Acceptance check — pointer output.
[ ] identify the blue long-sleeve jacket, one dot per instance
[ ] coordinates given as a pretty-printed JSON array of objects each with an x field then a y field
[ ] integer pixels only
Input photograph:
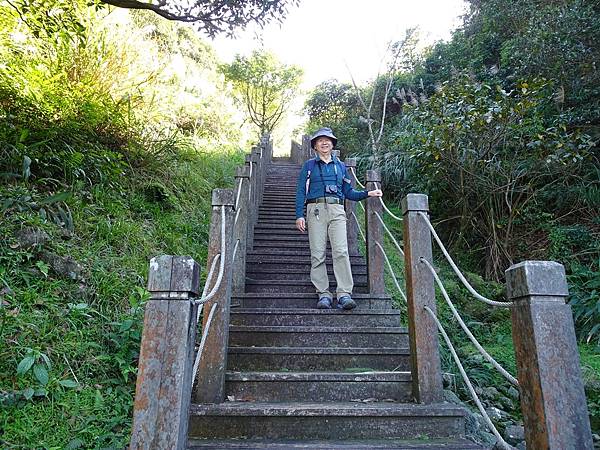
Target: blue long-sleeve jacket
[{"x": 332, "y": 173}]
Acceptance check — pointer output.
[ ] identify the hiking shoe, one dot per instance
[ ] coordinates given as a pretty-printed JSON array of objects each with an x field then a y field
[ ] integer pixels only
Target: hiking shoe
[
  {"x": 324, "y": 303},
  {"x": 346, "y": 302}
]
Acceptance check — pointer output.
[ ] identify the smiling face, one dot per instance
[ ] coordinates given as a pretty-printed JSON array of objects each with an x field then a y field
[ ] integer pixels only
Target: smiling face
[{"x": 323, "y": 146}]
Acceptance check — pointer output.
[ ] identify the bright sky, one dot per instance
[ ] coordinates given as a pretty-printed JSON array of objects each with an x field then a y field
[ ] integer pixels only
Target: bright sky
[
  {"x": 327, "y": 38},
  {"x": 333, "y": 38}
]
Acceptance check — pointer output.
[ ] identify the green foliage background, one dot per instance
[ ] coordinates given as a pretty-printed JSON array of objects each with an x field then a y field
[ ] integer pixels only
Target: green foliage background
[
  {"x": 114, "y": 129},
  {"x": 500, "y": 127}
]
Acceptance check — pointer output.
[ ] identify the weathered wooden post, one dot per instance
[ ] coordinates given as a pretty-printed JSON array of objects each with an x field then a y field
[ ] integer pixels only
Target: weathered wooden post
[
  {"x": 420, "y": 292},
  {"x": 240, "y": 230},
  {"x": 351, "y": 225},
  {"x": 374, "y": 235},
  {"x": 253, "y": 204},
  {"x": 164, "y": 381},
  {"x": 210, "y": 378},
  {"x": 256, "y": 151},
  {"x": 306, "y": 148},
  {"x": 552, "y": 395}
]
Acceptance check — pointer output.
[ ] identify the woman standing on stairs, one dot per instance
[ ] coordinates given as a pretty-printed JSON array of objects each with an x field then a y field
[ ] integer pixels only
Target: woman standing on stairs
[{"x": 323, "y": 184}]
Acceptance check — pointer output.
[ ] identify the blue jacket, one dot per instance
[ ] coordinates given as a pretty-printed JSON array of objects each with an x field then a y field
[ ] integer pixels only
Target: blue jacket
[{"x": 332, "y": 173}]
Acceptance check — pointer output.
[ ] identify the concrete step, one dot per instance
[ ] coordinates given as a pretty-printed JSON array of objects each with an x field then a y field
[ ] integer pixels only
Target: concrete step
[
  {"x": 314, "y": 317},
  {"x": 290, "y": 275},
  {"x": 357, "y": 261},
  {"x": 307, "y": 300},
  {"x": 294, "y": 270},
  {"x": 332, "y": 421},
  {"x": 285, "y": 287},
  {"x": 299, "y": 237},
  {"x": 291, "y": 256},
  {"x": 318, "y": 386},
  {"x": 279, "y": 232},
  {"x": 284, "y": 251},
  {"x": 276, "y": 226},
  {"x": 314, "y": 336},
  {"x": 423, "y": 443},
  {"x": 317, "y": 358}
]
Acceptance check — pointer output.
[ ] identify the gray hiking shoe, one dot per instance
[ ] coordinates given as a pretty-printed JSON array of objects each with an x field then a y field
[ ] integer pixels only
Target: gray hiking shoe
[
  {"x": 324, "y": 303},
  {"x": 346, "y": 302}
]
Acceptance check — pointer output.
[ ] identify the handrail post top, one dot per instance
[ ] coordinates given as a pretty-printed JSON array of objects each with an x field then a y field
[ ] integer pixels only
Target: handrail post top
[
  {"x": 415, "y": 202},
  {"x": 242, "y": 172},
  {"x": 255, "y": 157},
  {"x": 174, "y": 274},
  {"x": 223, "y": 197},
  {"x": 373, "y": 176},
  {"x": 537, "y": 278},
  {"x": 350, "y": 162}
]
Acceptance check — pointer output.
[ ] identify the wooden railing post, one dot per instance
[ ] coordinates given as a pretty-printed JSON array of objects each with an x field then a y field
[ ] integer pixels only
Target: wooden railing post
[
  {"x": 420, "y": 292},
  {"x": 374, "y": 235},
  {"x": 240, "y": 230},
  {"x": 306, "y": 149},
  {"x": 256, "y": 152},
  {"x": 552, "y": 395},
  {"x": 295, "y": 150},
  {"x": 252, "y": 206},
  {"x": 164, "y": 381},
  {"x": 210, "y": 378},
  {"x": 351, "y": 225}
]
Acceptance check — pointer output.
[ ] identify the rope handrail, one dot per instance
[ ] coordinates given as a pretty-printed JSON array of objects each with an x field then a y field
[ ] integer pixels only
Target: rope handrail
[
  {"x": 379, "y": 198},
  {"x": 462, "y": 324},
  {"x": 390, "y": 234},
  {"x": 457, "y": 271},
  {"x": 384, "y": 255},
  {"x": 358, "y": 226},
  {"x": 203, "y": 340},
  {"x": 211, "y": 294},
  {"x": 235, "y": 247},
  {"x": 356, "y": 177},
  {"x": 239, "y": 191},
  {"x": 465, "y": 377},
  {"x": 399, "y": 219},
  {"x": 391, "y": 271}
]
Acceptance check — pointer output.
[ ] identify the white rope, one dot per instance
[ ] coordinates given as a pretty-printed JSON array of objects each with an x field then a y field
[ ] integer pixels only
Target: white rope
[
  {"x": 390, "y": 234},
  {"x": 203, "y": 341},
  {"x": 207, "y": 284},
  {"x": 457, "y": 270},
  {"x": 358, "y": 226},
  {"x": 239, "y": 191},
  {"x": 386, "y": 208},
  {"x": 391, "y": 271},
  {"x": 237, "y": 243},
  {"x": 356, "y": 178},
  {"x": 462, "y": 324},
  {"x": 211, "y": 294},
  {"x": 489, "y": 423}
]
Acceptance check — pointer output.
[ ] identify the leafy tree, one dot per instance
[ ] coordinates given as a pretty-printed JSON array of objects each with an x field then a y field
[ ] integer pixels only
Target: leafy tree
[
  {"x": 214, "y": 16},
  {"x": 335, "y": 105},
  {"x": 492, "y": 162},
  {"x": 265, "y": 87}
]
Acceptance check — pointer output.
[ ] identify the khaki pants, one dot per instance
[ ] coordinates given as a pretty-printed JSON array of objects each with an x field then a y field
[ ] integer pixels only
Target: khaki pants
[{"x": 331, "y": 222}]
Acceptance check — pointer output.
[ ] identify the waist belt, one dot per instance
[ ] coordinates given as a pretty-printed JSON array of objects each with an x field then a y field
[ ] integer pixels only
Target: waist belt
[{"x": 329, "y": 200}]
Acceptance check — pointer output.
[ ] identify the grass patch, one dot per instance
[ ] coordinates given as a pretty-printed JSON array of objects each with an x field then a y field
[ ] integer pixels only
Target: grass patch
[{"x": 81, "y": 333}]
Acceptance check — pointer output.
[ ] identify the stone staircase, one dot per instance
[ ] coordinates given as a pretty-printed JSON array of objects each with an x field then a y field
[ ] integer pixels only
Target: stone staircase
[{"x": 298, "y": 377}]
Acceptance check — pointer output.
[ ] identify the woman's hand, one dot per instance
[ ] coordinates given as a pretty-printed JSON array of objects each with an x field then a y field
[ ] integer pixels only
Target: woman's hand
[
  {"x": 301, "y": 224},
  {"x": 375, "y": 193}
]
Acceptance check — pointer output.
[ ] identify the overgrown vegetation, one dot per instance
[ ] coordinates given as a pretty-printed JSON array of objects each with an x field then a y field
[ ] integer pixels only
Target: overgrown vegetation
[
  {"x": 114, "y": 129},
  {"x": 499, "y": 126}
]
